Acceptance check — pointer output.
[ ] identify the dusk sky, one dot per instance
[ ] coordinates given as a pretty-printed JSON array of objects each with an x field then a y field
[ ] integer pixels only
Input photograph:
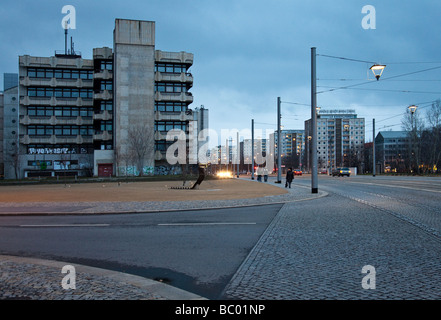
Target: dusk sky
[{"x": 248, "y": 53}]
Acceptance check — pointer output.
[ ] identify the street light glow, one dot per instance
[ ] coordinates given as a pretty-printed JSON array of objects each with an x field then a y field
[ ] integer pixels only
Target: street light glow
[
  {"x": 413, "y": 108},
  {"x": 377, "y": 70}
]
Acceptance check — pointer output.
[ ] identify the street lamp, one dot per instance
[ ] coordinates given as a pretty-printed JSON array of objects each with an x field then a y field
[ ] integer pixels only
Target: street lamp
[
  {"x": 412, "y": 110},
  {"x": 314, "y": 173},
  {"x": 377, "y": 70}
]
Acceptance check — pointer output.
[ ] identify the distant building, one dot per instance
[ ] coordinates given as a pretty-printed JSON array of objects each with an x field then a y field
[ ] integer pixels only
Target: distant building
[
  {"x": 392, "y": 151},
  {"x": 340, "y": 139},
  {"x": 104, "y": 116},
  {"x": 292, "y": 147},
  {"x": 10, "y": 132},
  {"x": 2, "y": 165}
]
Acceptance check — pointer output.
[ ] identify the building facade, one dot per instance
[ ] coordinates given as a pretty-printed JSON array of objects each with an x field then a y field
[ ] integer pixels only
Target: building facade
[
  {"x": 392, "y": 151},
  {"x": 292, "y": 148},
  {"x": 104, "y": 116},
  {"x": 340, "y": 139}
]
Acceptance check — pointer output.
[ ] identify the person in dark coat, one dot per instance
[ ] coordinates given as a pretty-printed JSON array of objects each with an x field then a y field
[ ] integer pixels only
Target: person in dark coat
[{"x": 289, "y": 178}]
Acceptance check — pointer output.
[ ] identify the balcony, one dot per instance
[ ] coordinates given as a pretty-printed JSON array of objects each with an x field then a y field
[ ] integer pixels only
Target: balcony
[
  {"x": 52, "y": 101},
  {"x": 54, "y": 82},
  {"x": 103, "y": 136},
  {"x": 55, "y": 120},
  {"x": 174, "y": 96},
  {"x": 26, "y": 139},
  {"x": 103, "y": 95},
  {"x": 104, "y": 116},
  {"x": 176, "y": 116},
  {"x": 173, "y": 77},
  {"x": 103, "y": 75}
]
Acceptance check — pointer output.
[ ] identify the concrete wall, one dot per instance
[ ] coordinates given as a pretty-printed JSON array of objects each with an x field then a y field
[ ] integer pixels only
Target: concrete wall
[
  {"x": 10, "y": 126},
  {"x": 2, "y": 170},
  {"x": 134, "y": 99}
]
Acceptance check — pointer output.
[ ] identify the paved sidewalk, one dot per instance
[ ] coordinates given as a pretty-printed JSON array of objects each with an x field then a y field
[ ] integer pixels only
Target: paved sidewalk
[
  {"x": 142, "y": 197},
  {"x": 26, "y": 278}
]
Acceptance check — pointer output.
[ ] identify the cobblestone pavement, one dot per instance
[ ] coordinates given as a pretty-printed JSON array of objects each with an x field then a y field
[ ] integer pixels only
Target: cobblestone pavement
[
  {"x": 37, "y": 279},
  {"x": 317, "y": 250},
  {"x": 24, "y": 278},
  {"x": 299, "y": 193}
]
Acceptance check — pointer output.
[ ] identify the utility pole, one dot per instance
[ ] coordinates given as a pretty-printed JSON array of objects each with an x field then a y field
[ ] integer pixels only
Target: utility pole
[
  {"x": 252, "y": 149},
  {"x": 373, "y": 148},
  {"x": 238, "y": 153},
  {"x": 314, "y": 173},
  {"x": 279, "y": 141}
]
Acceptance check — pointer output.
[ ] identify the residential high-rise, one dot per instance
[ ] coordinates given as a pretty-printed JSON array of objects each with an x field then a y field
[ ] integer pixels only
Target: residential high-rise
[
  {"x": 340, "y": 139},
  {"x": 104, "y": 116}
]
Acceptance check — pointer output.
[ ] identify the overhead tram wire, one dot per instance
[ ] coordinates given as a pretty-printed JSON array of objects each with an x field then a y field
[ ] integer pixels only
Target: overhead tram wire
[{"x": 366, "y": 82}]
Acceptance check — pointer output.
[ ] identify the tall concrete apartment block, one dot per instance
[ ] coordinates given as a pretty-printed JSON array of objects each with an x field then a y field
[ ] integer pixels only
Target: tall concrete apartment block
[
  {"x": 10, "y": 126},
  {"x": 340, "y": 139},
  {"x": 104, "y": 116}
]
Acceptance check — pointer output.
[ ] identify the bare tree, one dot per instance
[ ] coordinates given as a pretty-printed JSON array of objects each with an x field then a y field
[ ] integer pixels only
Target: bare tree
[
  {"x": 413, "y": 124},
  {"x": 432, "y": 136},
  {"x": 139, "y": 144}
]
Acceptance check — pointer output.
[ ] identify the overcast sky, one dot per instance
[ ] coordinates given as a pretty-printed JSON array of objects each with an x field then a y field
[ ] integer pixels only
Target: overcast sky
[{"x": 248, "y": 53}]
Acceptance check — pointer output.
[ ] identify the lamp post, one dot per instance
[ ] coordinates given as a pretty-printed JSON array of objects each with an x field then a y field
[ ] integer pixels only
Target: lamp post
[
  {"x": 314, "y": 173},
  {"x": 412, "y": 110},
  {"x": 279, "y": 142}
]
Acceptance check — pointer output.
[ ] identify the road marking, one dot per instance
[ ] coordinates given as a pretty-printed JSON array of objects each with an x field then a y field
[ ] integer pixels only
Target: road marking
[
  {"x": 62, "y": 225},
  {"x": 207, "y": 224},
  {"x": 395, "y": 186}
]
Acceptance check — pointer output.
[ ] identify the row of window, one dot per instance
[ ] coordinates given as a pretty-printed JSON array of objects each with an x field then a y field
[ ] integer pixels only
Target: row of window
[
  {"x": 47, "y": 111},
  {"x": 106, "y": 105},
  {"x": 106, "y": 126},
  {"x": 171, "y": 106},
  {"x": 59, "y": 149},
  {"x": 67, "y": 130},
  {"x": 106, "y": 85},
  {"x": 170, "y": 87},
  {"x": 165, "y": 126},
  {"x": 170, "y": 67},
  {"x": 163, "y": 145},
  {"x": 106, "y": 65},
  {"x": 61, "y": 92},
  {"x": 46, "y": 73}
]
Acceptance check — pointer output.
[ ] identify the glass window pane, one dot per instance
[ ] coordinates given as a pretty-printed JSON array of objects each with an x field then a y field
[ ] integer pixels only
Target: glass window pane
[{"x": 32, "y": 73}]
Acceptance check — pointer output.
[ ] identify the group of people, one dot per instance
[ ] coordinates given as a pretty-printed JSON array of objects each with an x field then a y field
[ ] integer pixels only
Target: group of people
[{"x": 264, "y": 172}]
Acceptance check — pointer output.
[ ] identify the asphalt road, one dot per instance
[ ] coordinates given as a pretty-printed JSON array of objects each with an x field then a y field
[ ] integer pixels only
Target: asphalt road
[
  {"x": 198, "y": 251},
  {"x": 412, "y": 199},
  {"x": 377, "y": 220}
]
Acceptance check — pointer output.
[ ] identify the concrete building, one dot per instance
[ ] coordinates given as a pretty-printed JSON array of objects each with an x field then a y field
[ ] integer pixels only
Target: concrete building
[
  {"x": 340, "y": 139},
  {"x": 392, "y": 151},
  {"x": 2, "y": 165},
  {"x": 291, "y": 148},
  {"x": 104, "y": 116},
  {"x": 11, "y": 163}
]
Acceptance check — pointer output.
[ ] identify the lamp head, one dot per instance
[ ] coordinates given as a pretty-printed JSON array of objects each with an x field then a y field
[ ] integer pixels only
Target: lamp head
[{"x": 377, "y": 70}]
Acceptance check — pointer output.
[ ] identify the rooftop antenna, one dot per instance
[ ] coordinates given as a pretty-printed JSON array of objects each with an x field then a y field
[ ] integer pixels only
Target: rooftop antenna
[
  {"x": 72, "y": 51},
  {"x": 65, "y": 37}
]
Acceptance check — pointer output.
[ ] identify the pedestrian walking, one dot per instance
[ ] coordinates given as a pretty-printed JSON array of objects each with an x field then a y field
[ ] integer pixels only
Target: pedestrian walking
[
  {"x": 289, "y": 178},
  {"x": 265, "y": 174}
]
